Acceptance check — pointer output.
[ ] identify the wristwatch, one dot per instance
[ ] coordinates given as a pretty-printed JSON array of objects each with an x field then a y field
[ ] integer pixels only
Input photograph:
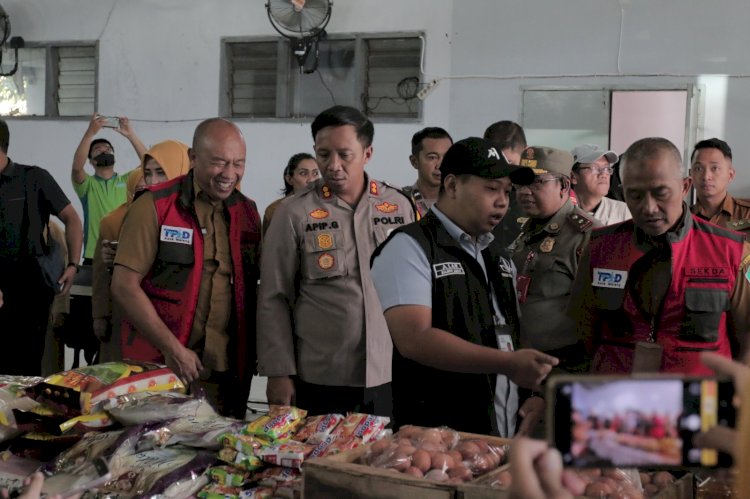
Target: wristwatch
[{"x": 74, "y": 264}]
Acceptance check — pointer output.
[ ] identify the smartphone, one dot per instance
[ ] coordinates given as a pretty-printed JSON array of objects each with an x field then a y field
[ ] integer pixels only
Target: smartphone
[
  {"x": 637, "y": 421},
  {"x": 111, "y": 121}
]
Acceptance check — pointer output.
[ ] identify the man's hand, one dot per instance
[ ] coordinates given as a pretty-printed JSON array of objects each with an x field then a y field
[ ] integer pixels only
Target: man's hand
[
  {"x": 529, "y": 367},
  {"x": 184, "y": 362},
  {"x": 108, "y": 252},
  {"x": 531, "y": 412},
  {"x": 101, "y": 329},
  {"x": 125, "y": 129},
  {"x": 66, "y": 280},
  {"x": 96, "y": 124},
  {"x": 720, "y": 437},
  {"x": 280, "y": 390},
  {"x": 538, "y": 472}
]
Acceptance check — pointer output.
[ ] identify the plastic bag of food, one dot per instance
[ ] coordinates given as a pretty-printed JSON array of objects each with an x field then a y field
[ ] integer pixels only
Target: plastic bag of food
[
  {"x": 363, "y": 427},
  {"x": 171, "y": 472},
  {"x": 83, "y": 390},
  {"x": 239, "y": 459},
  {"x": 316, "y": 428},
  {"x": 201, "y": 431},
  {"x": 218, "y": 491},
  {"x": 290, "y": 454},
  {"x": 480, "y": 456},
  {"x": 228, "y": 476},
  {"x": 146, "y": 407},
  {"x": 272, "y": 477},
  {"x": 280, "y": 422},
  {"x": 258, "y": 493},
  {"x": 91, "y": 446},
  {"x": 596, "y": 483}
]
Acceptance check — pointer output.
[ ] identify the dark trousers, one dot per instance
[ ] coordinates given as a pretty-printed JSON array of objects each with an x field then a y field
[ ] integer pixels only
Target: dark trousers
[
  {"x": 224, "y": 392},
  {"x": 323, "y": 399},
  {"x": 23, "y": 319}
]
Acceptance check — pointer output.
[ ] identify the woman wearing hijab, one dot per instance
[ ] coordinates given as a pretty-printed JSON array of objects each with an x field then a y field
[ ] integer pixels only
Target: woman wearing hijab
[{"x": 164, "y": 161}]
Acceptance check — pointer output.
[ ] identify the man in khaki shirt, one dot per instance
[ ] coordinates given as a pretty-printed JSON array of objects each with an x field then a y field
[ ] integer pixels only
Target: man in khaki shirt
[
  {"x": 322, "y": 338},
  {"x": 217, "y": 331},
  {"x": 712, "y": 171}
]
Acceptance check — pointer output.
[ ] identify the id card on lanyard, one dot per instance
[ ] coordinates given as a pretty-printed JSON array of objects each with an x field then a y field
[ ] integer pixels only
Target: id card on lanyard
[{"x": 523, "y": 280}]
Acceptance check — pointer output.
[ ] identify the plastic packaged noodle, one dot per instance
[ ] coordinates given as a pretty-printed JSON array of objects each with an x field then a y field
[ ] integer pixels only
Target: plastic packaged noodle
[
  {"x": 85, "y": 389},
  {"x": 240, "y": 460},
  {"x": 280, "y": 422},
  {"x": 317, "y": 428},
  {"x": 290, "y": 454},
  {"x": 247, "y": 444},
  {"x": 228, "y": 476}
]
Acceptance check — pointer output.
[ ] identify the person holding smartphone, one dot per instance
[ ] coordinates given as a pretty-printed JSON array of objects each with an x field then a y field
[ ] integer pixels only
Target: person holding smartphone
[{"x": 538, "y": 470}]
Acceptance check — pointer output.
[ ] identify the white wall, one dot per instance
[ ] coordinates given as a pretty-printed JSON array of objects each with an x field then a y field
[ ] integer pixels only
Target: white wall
[
  {"x": 159, "y": 65},
  {"x": 547, "y": 42}
]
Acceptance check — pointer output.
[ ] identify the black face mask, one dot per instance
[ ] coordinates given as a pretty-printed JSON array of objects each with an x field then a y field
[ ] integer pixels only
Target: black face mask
[{"x": 105, "y": 159}]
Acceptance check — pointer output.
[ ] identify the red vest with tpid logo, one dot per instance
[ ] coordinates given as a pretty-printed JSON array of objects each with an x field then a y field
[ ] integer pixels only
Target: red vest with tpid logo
[
  {"x": 705, "y": 263},
  {"x": 174, "y": 280}
]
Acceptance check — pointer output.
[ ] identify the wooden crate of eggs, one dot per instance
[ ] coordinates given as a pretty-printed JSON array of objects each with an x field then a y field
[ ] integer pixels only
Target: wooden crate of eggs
[
  {"x": 593, "y": 484},
  {"x": 414, "y": 463}
]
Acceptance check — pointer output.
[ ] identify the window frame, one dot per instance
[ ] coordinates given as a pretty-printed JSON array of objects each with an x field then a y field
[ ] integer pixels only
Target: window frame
[
  {"x": 52, "y": 78},
  {"x": 287, "y": 80}
]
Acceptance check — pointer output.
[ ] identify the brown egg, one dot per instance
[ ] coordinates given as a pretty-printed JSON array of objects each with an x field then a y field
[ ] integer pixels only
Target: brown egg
[
  {"x": 468, "y": 450},
  {"x": 598, "y": 490},
  {"x": 441, "y": 461},
  {"x": 457, "y": 457},
  {"x": 380, "y": 446},
  {"x": 432, "y": 435},
  {"x": 431, "y": 446},
  {"x": 591, "y": 473},
  {"x": 411, "y": 432},
  {"x": 484, "y": 447},
  {"x": 436, "y": 475},
  {"x": 493, "y": 458},
  {"x": 460, "y": 471},
  {"x": 449, "y": 437},
  {"x": 645, "y": 478},
  {"x": 400, "y": 461},
  {"x": 481, "y": 464},
  {"x": 414, "y": 471},
  {"x": 504, "y": 479},
  {"x": 650, "y": 489},
  {"x": 407, "y": 449},
  {"x": 662, "y": 478},
  {"x": 421, "y": 459}
]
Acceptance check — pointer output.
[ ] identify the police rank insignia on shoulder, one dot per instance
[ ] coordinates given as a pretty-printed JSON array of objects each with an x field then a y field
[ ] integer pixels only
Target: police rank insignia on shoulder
[
  {"x": 326, "y": 261},
  {"x": 741, "y": 224},
  {"x": 386, "y": 207},
  {"x": 547, "y": 244},
  {"x": 580, "y": 221}
]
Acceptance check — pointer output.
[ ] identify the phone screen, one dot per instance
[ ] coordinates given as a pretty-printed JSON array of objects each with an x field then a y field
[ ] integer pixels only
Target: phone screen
[{"x": 634, "y": 422}]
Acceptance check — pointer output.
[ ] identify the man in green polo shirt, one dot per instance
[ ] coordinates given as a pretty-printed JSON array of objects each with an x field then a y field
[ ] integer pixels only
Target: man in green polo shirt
[{"x": 105, "y": 190}]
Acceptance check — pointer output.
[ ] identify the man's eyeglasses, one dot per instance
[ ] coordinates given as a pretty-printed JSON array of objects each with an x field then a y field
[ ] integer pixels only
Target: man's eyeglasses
[
  {"x": 598, "y": 170},
  {"x": 537, "y": 184}
]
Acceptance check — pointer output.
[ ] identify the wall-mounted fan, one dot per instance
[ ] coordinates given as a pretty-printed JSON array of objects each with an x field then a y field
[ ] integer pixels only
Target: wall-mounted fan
[{"x": 303, "y": 22}]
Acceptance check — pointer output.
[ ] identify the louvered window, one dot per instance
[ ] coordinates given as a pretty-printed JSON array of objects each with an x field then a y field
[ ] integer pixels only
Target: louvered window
[
  {"x": 378, "y": 74},
  {"x": 52, "y": 80}
]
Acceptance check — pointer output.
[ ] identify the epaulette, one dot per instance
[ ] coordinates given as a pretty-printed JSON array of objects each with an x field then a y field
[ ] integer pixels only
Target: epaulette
[
  {"x": 741, "y": 224},
  {"x": 742, "y": 202},
  {"x": 402, "y": 191},
  {"x": 581, "y": 221}
]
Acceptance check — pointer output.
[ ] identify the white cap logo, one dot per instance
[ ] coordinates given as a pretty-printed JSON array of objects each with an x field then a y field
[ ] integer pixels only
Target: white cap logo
[{"x": 492, "y": 153}]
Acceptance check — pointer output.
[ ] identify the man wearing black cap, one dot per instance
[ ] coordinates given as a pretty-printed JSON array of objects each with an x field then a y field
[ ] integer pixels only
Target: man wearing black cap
[
  {"x": 105, "y": 190},
  {"x": 449, "y": 300}
]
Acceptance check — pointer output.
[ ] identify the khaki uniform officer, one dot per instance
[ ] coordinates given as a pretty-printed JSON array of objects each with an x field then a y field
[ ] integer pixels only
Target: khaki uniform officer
[
  {"x": 711, "y": 171},
  {"x": 323, "y": 341},
  {"x": 546, "y": 254}
]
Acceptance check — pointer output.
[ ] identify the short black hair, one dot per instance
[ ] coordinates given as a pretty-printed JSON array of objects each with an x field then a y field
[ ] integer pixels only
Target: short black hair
[
  {"x": 4, "y": 136},
  {"x": 713, "y": 143},
  {"x": 292, "y": 165},
  {"x": 431, "y": 132},
  {"x": 506, "y": 135},
  {"x": 100, "y": 141},
  {"x": 345, "y": 115}
]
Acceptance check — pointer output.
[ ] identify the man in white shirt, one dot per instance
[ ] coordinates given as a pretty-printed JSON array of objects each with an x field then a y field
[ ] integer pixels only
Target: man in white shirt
[{"x": 590, "y": 177}]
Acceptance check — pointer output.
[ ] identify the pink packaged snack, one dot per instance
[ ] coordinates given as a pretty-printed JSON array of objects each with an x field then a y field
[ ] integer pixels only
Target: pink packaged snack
[{"x": 316, "y": 428}]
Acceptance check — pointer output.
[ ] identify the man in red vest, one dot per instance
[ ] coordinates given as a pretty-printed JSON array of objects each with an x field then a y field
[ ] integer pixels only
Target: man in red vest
[
  {"x": 653, "y": 292},
  {"x": 186, "y": 271}
]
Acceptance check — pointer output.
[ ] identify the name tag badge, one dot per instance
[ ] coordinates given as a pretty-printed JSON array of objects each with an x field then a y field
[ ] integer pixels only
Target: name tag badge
[
  {"x": 446, "y": 269},
  {"x": 180, "y": 235},
  {"x": 609, "y": 278},
  {"x": 505, "y": 343}
]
